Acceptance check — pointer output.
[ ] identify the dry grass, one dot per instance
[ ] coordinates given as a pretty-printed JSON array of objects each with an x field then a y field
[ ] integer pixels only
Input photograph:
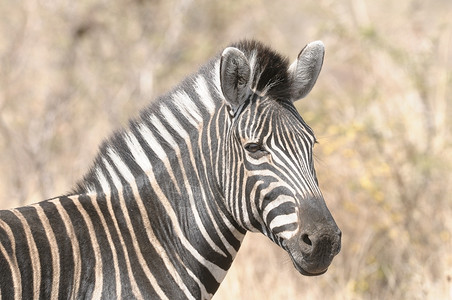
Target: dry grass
[{"x": 72, "y": 71}]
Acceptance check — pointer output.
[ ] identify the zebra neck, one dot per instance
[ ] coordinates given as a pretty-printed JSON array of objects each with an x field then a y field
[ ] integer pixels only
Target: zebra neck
[{"x": 161, "y": 179}]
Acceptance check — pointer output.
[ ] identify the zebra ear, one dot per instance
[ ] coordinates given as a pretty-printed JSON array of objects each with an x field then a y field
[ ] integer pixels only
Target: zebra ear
[
  {"x": 234, "y": 77},
  {"x": 305, "y": 70}
]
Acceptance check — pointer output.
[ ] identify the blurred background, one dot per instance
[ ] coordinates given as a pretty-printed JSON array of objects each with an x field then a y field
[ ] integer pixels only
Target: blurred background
[{"x": 73, "y": 71}]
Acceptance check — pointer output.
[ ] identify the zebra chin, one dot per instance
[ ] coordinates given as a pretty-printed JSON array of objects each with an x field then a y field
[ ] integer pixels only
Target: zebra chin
[{"x": 306, "y": 273}]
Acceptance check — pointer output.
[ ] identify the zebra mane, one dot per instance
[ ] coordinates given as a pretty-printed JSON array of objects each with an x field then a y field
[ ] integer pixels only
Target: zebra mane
[
  {"x": 269, "y": 69},
  {"x": 270, "y": 77}
]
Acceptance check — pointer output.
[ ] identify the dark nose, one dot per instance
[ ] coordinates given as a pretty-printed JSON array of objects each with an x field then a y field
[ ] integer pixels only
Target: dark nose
[
  {"x": 319, "y": 248},
  {"x": 319, "y": 242}
]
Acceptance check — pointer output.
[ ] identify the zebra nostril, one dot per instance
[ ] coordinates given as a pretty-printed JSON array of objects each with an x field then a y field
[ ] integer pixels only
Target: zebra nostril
[{"x": 305, "y": 238}]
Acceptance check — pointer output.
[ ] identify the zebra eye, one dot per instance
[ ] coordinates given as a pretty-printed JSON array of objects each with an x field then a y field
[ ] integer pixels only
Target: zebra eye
[{"x": 253, "y": 147}]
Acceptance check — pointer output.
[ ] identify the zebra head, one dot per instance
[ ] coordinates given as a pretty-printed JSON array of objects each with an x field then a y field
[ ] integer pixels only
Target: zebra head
[{"x": 269, "y": 180}]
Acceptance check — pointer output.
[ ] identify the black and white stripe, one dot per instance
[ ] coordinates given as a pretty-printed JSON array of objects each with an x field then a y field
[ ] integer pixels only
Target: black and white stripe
[{"x": 167, "y": 202}]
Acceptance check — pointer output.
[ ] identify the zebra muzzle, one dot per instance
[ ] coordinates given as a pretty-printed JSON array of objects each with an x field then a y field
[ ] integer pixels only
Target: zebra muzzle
[
  {"x": 313, "y": 254},
  {"x": 317, "y": 241}
]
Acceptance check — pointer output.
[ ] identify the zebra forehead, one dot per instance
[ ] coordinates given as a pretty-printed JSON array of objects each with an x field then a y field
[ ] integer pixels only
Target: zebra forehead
[
  {"x": 276, "y": 115},
  {"x": 269, "y": 69}
]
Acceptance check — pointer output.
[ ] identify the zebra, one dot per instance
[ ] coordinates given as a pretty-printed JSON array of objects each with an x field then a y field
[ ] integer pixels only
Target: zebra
[{"x": 163, "y": 210}]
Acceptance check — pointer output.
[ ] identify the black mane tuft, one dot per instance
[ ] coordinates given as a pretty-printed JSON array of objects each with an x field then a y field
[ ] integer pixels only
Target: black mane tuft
[{"x": 270, "y": 70}]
